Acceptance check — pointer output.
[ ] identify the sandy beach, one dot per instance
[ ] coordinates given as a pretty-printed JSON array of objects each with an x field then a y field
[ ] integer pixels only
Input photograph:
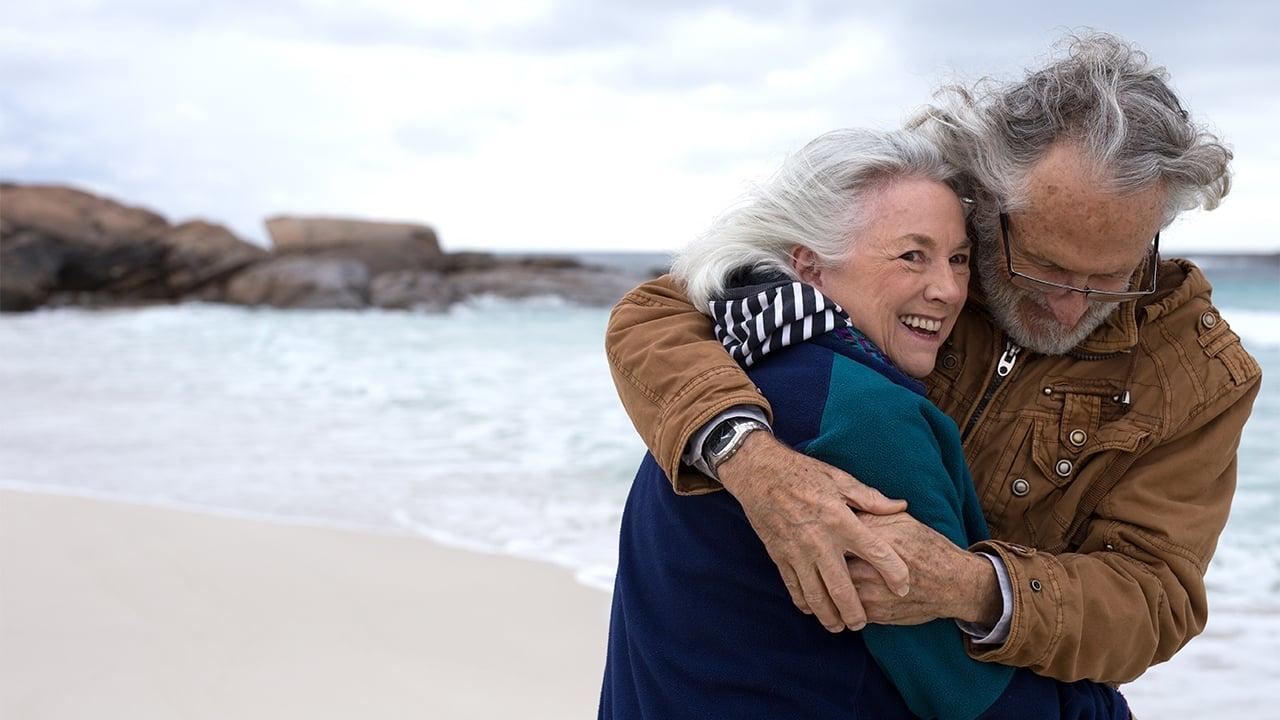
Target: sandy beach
[{"x": 111, "y": 610}]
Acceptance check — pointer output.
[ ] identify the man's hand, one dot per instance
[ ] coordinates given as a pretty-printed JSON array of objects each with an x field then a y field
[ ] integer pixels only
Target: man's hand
[
  {"x": 800, "y": 508},
  {"x": 946, "y": 581}
]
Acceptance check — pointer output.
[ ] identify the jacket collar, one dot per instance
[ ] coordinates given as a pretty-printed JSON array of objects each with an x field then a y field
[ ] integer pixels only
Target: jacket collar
[{"x": 1177, "y": 282}]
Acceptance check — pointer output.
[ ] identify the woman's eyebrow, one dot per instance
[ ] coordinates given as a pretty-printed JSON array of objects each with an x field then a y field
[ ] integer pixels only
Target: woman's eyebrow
[
  {"x": 930, "y": 244},
  {"x": 924, "y": 240}
]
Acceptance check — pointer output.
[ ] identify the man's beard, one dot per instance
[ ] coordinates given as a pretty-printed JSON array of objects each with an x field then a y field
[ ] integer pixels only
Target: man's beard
[{"x": 1037, "y": 331}]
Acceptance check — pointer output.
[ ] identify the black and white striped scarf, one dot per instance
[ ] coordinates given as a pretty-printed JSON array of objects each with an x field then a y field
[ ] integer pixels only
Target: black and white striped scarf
[{"x": 753, "y": 321}]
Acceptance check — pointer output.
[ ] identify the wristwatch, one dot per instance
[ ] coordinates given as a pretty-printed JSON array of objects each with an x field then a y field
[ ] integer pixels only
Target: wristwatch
[{"x": 725, "y": 439}]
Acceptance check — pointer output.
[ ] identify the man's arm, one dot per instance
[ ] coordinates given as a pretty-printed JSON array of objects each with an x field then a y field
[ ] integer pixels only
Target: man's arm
[
  {"x": 1132, "y": 596},
  {"x": 902, "y": 450},
  {"x": 674, "y": 377},
  {"x": 1138, "y": 577},
  {"x": 693, "y": 455}
]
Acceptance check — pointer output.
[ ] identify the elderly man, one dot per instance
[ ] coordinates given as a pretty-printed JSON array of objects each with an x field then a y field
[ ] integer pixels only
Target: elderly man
[{"x": 1099, "y": 393}]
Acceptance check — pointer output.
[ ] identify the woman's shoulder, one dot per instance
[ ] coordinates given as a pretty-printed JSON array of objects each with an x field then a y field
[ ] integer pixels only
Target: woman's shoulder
[
  {"x": 815, "y": 389},
  {"x": 796, "y": 381},
  {"x": 860, "y": 392},
  {"x": 790, "y": 365},
  {"x": 863, "y": 398}
]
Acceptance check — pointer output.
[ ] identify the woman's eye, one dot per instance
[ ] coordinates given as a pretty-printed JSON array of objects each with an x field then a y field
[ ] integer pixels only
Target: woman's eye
[
  {"x": 960, "y": 259},
  {"x": 912, "y": 256}
]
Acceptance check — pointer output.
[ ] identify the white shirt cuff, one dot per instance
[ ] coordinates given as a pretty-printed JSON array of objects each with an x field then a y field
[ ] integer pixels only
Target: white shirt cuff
[
  {"x": 999, "y": 633},
  {"x": 693, "y": 452}
]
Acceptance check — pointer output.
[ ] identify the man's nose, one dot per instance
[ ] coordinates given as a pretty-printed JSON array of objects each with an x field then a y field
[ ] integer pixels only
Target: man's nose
[{"x": 1068, "y": 307}]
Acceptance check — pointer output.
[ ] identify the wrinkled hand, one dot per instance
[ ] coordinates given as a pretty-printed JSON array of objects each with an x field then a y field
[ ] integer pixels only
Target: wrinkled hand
[
  {"x": 800, "y": 508},
  {"x": 946, "y": 581}
]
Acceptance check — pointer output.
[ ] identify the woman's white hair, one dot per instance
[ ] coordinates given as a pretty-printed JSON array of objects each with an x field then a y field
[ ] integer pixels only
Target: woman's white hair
[{"x": 815, "y": 200}]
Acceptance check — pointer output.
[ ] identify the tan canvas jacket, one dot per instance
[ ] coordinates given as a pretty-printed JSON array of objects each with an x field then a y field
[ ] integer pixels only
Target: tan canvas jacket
[{"x": 1106, "y": 475}]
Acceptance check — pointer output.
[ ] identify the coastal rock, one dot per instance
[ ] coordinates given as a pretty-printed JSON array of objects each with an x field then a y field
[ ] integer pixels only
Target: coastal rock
[
  {"x": 72, "y": 215},
  {"x": 301, "y": 282},
  {"x": 29, "y": 266},
  {"x": 59, "y": 239},
  {"x": 200, "y": 253},
  {"x": 412, "y": 290},
  {"x": 381, "y": 246},
  {"x": 65, "y": 246},
  {"x": 584, "y": 286},
  {"x": 455, "y": 262},
  {"x": 551, "y": 262}
]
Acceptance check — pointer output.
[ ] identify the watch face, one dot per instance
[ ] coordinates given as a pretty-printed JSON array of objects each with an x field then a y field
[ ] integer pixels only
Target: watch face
[{"x": 720, "y": 437}]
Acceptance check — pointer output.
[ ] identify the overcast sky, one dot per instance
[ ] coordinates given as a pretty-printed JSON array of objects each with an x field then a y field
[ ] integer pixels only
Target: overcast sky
[{"x": 543, "y": 124}]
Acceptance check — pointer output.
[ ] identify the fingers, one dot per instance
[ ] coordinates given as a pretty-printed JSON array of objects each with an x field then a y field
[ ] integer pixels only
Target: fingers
[
  {"x": 862, "y": 573},
  {"x": 794, "y": 588},
  {"x": 835, "y": 576},
  {"x": 868, "y": 499},
  {"x": 865, "y": 544},
  {"x": 815, "y": 595},
  {"x": 879, "y": 603}
]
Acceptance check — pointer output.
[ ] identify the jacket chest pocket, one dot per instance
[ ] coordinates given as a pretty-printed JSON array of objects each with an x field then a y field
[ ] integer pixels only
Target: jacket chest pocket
[{"x": 1052, "y": 462}]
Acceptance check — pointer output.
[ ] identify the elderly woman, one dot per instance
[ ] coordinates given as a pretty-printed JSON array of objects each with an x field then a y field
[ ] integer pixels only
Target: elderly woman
[{"x": 835, "y": 285}]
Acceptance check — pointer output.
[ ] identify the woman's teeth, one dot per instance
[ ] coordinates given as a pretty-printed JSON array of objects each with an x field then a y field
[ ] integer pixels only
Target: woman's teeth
[{"x": 921, "y": 323}]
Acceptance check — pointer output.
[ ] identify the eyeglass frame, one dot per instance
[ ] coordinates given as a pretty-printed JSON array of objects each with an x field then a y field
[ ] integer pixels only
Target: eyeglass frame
[{"x": 1037, "y": 284}]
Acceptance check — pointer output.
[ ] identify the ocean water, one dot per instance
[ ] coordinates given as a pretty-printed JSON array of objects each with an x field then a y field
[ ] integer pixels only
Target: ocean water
[{"x": 493, "y": 427}]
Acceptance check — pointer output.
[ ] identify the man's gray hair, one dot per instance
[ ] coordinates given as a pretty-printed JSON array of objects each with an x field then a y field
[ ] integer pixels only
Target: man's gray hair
[
  {"x": 1105, "y": 95},
  {"x": 815, "y": 200}
]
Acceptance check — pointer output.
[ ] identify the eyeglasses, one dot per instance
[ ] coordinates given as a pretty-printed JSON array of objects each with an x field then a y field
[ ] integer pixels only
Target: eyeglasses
[{"x": 1028, "y": 282}]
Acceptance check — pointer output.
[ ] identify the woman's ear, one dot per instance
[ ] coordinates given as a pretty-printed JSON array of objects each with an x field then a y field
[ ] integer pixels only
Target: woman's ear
[{"x": 805, "y": 263}]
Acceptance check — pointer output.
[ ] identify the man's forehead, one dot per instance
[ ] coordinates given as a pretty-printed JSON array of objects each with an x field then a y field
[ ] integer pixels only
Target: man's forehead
[
  {"x": 1071, "y": 214},
  {"x": 1066, "y": 180}
]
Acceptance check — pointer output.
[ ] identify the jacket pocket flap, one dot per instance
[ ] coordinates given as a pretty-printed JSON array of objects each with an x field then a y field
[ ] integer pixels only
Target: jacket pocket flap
[{"x": 1061, "y": 465}]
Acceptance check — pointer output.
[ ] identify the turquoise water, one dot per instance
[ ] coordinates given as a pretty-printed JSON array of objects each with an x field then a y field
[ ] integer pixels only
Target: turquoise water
[{"x": 1250, "y": 300}]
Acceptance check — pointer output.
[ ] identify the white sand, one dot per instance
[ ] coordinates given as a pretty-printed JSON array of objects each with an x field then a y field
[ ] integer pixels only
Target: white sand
[{"x": 110, "y": 610}]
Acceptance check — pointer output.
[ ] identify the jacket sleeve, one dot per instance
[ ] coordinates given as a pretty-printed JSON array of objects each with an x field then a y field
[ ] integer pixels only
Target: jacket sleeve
[
  {"x": 1133, "y": 594},
  {"x": 672, "y": 375}
]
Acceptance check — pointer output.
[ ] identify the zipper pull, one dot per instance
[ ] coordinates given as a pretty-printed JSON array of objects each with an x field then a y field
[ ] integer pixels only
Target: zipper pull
[{"x": 1007, "y": 360}]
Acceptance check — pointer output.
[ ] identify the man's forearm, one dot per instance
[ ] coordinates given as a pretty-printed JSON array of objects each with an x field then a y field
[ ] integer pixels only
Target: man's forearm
[
  {"x": 693, "y": 454},
  {"x": 672, "y": 375},
  {"x": 983, "y": 604},
  {"x": 985, "y": 632}
]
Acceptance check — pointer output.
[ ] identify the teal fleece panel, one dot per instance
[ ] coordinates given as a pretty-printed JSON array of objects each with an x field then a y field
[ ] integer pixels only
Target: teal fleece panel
[{"x": 901, "y": 444}]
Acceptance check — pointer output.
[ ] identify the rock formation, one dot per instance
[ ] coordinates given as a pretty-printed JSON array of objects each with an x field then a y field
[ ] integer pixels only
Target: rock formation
[
  {"x": 61, "y": 241},
  {"x": 60, "y": 245},
  {"x": 380, "y": 246},
  {"x": 301, "y": 282}
]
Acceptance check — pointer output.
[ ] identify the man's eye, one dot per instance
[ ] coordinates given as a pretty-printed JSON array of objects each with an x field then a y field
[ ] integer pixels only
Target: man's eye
[{"x": 1111, "y": 282}]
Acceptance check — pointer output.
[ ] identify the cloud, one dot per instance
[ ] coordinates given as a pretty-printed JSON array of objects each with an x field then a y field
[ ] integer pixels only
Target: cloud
[{"x": 569, "y": 123}]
